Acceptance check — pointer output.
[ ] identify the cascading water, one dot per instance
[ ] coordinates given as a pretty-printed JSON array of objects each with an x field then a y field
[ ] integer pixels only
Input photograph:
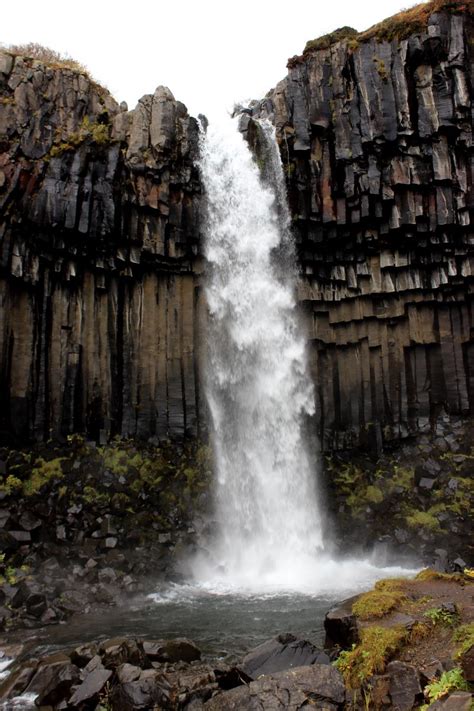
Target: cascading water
[
  {"x": 269, "y": 532},
  {"x": 258, "y": 389}
]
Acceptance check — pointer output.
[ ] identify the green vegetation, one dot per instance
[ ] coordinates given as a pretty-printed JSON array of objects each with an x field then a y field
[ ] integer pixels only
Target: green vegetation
[
  {"x": 430, "y": 574},
  {"x": 326, "y": 41},
  {"x": 97, "y": 132},
  {"x": 399, "y": 26},
  {"x": 42, "y": 474},
  {"x": 56, "y": 60},
  {"x": 464, "y": 638},
  {"x": 449, "y": 681},
  {"x": 441, "y": 616},
  {"x": 377, "y": 603},
  {"x": 423, "y": 519},
  {"x": 414, "y": 19},
  {"x": 381, "y": 69},
  {"x": 377, "y": 646}
]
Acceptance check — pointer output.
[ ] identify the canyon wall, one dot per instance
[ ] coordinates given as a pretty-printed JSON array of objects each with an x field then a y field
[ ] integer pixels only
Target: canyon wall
[
  {"x": 99, "y": 220},
  {"x": 101, "y": 311},
  {"x": 376, "y": 139}
]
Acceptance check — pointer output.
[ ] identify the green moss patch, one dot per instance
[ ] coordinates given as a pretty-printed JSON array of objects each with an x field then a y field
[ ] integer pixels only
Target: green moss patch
[
  {"x": 399, "y": 26},
  {"x": 377, "y": 646},
  {"x": 377, "y": 603}
]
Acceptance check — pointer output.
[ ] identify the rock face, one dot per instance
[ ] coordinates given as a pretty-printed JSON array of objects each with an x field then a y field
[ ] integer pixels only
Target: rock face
[
  {"x": 98, "y": 237},
  {"x": 376, "y": 139},
  {"x": 101, "y": 311}
]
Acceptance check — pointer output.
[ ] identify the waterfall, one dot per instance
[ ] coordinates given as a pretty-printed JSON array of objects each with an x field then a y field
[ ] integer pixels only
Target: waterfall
[{"x": 257, "y": 383}]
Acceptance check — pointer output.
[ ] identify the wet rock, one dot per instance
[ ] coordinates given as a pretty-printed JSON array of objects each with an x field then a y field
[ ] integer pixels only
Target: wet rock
[
  {"x": 283, "y": 652},
  {"x": 24, "y": 592},
  {"x": 341, "y": 625},
  {"x": 127, "y": 672},
  {"x": 457, "y": 701},
  {"x": 36, "y": 604},
  {"x": 459, "y": 564},
  {"x": 118, "y": 651},
  {"x": 405, "y": 687},
  {"x": 16, "y": 683},
  {"x": 92, "y": 665},
  {"x": 467, "y": 664},
  {"x": 29, "y": 522},
  {"x": 53, "y": 680},
  {"x": 90, "y": 688},
  {"x": 318, "y": 686},
  {"x": 81, "y": 656},
  {"x": 173, "y": 650},
  {"x": 426, "y": 483},
  {"x": 152, "y": 692}
]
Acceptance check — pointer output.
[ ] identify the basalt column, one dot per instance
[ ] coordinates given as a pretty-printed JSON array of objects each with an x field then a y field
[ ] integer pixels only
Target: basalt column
[
  {"x": 376, "y": 138},
  {"x": 99, "y": 220}
]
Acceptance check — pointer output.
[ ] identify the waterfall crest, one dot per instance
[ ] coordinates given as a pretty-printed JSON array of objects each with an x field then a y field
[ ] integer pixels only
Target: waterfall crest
[{"x": 257, "y": 383}]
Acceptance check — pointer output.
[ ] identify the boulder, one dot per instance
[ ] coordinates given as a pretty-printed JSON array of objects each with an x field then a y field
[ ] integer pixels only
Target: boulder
[
  {"x": 341, "y": 625},
  {"x": 405, "y": 687},
  {"x": 457, "y": 701},
  {"x": 319, "y": 686},
  {"x": 82, "y": 655},
  {"x": 123, "y": 651},
  {"x": 53, "y": 681},
  {"x": 283, "y": 652},
  {"x": 467, "y": 664},
  {"x": 150, "y": 692},
  {"x": 91, "y": 687},
  {"x": 172, "y": 650},
  {"x": 16, "y": 683},
  {"x": 127, "y": 672}
]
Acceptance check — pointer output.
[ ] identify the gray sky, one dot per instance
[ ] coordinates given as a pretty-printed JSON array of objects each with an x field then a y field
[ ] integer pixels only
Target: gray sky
[{"x": 209, "y": 53}]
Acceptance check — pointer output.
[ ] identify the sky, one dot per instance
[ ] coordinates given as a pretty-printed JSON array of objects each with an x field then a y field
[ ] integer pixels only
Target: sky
[{"x": 209, "y": 53}]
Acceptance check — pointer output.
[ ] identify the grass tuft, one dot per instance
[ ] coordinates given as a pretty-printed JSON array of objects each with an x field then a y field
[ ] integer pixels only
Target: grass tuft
[{"x": 377, "y": 603}]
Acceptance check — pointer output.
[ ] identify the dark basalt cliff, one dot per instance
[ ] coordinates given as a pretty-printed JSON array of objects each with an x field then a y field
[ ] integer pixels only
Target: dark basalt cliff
[
  {"x": 376, "y": 138},
  {"x": 98, "y": 242},
  {"x": 100, "y": 306}
]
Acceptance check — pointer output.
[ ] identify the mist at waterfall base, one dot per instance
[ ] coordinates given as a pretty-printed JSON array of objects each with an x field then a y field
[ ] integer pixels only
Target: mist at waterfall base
[{"x": 269, "y": 529}]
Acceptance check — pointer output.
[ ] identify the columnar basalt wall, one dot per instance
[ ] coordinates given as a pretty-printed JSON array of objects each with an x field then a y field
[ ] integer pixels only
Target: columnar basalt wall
[
  {"x": 376, "y": 138},
  {"x": 99, "y": 220},
  {"x": 101, "y": 312}
]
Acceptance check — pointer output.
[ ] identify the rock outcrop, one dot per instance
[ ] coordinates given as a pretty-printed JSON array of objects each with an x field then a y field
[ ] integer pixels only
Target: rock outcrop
[
  {"x": 101, "y": 310},
  {"x": 99, "y": 219},
  {"x": 376, "y": 139}
]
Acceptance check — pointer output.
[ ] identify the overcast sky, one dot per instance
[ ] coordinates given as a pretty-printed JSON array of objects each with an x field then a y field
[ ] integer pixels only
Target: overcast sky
[{"x": 210, "y": 53}]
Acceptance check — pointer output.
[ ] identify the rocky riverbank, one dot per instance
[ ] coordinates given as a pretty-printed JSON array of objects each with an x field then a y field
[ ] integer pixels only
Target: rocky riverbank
[
  {"x": 83, "y": 526},
  {"x": 402, "y": 645}
]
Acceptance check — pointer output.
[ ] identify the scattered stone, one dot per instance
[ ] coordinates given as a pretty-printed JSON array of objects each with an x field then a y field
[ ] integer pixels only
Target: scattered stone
[
  {"x": 53, "y": 681},
  {"x": 91, "y": 687},
  {"x": 467, "y": 664},
  {"x": 341, "y": 625},
  {"x": 29, "y": 522},
  {"x": 151, "y": 692},
  {"x": 82, "y": 655},
  {"x": 127, "y": 672},
  {"x": 283, "y": 652},
  {"x": 173, "y": 650},
  {"x": 459, "y": 564},
  {"x": 405, "y": 687},
  {"x": 457, "y": 701},
  {"x": 426, "y": 483},
  {"x": 292, "y": 689}
]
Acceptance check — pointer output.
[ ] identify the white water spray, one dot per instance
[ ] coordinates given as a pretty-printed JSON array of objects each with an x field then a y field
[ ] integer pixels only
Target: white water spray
[{"x": 257, "y": 384}]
